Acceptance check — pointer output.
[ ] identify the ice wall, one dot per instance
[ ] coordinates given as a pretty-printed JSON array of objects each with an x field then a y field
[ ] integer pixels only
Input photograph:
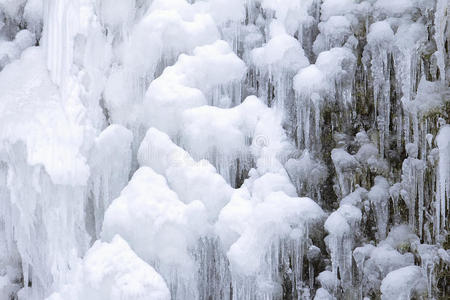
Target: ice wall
[{"x": 211, "y": 149}]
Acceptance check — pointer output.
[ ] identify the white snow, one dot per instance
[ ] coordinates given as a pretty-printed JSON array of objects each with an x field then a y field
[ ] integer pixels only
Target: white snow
[
  {"x": 403, "y": 283},
  {"x": 278, "y": 217},
  {"x": 282, "y": 52},
  {"x": 113, "y": 271},
  {"x": 191, "y": 180},
  {"x": 12, "y": 50},
  {"x": 147, "y": 202},
  {"x": 32, "y": 113},
  {"x": 182, "y": 86}
]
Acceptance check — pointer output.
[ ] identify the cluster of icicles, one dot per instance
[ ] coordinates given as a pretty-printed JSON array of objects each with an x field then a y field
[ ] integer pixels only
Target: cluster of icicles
[{"x": 224, "y": 149}]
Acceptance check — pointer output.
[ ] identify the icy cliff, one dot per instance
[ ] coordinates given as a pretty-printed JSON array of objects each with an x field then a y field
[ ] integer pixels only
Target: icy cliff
[{"x": 224, "y": 149}]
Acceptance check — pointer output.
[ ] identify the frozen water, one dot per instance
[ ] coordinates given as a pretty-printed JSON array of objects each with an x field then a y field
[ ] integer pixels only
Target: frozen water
[
  {"x": 113, "y": 271},
  {"x": 404, "y": 283},
  {"x": 214, "y": 149}
]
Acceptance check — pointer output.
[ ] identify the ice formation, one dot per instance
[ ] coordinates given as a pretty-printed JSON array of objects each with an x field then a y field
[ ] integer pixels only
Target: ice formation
[
  {"x": 113, "y": 271},
  {"x": 224, "y": 149}
]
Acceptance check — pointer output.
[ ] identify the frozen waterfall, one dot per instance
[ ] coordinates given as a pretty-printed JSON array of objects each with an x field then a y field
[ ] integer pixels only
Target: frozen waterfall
[{"x": 224, "y": 149}]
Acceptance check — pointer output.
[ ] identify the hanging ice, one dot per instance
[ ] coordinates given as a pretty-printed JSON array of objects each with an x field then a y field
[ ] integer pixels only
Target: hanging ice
[{"x": 224, "y": 149}]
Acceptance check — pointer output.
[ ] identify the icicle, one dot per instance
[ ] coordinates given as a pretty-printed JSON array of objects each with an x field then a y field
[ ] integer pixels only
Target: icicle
[
  {"x": 346, "y": 165},
  {"x": 440, "y": 20},
  {"x": 379, "y": 196},
  {"x": 379, "y": 46},
  {"x": 340, "y": 225},
  {"x": 313, "y": 255},
  {"x": 394, "y": 192},
  {"x": 429, "y": 258},
  {"x": 110, "y": 165},
  {"x": 214, "y": 273},
  {"x": 412, "y": 184},
  {"x": 443, "y": 178},
  {"x": 61, "y": 22}
]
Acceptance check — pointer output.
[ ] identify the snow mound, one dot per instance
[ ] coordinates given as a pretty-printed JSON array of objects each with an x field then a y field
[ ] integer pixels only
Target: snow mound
[
  {"x": 113, "y": 271},
  {"x": 278, "y": 217},
  {"x": 171, "y": 227},
  {"x": 404, "y": 283},
  {"x": 191, "y": 180},
  {"x": 281, "y": 53},
  {"x": 335, "y": 66},
  {"x": 184, "y": 84},
  {"x": 12, "y": 50}
]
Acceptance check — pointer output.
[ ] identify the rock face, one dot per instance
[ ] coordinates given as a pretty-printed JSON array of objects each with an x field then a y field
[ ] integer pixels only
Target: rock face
[{"x": 224, "y": 149}]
